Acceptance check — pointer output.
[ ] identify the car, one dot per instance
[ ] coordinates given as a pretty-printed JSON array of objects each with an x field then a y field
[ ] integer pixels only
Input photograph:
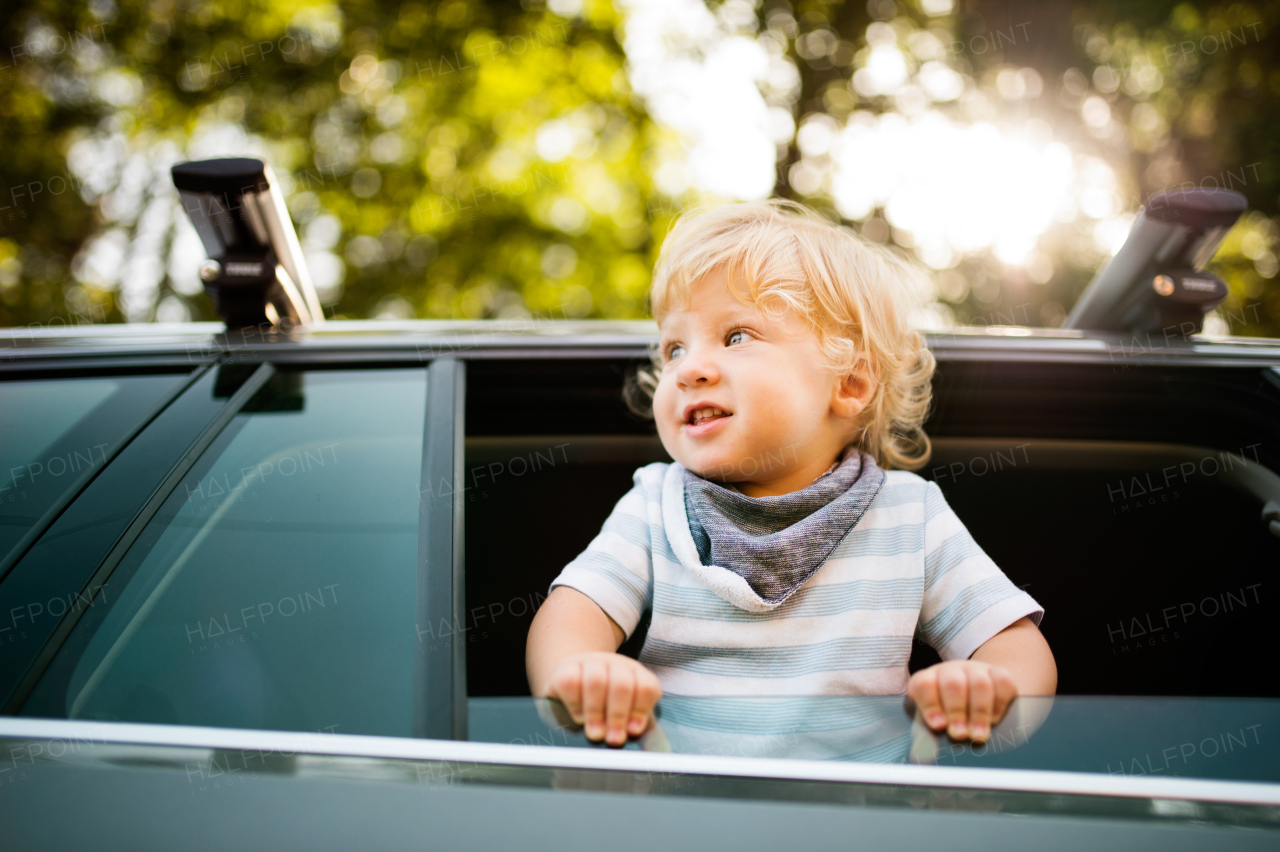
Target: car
[{"x": 268, "y": 584}]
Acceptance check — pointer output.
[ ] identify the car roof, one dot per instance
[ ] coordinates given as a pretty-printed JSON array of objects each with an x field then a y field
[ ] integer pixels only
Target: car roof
[{"x": 540, "y": 337}]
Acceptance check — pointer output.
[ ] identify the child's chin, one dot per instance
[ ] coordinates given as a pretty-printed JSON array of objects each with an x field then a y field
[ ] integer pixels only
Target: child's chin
[{"x": 715, "y": 471}]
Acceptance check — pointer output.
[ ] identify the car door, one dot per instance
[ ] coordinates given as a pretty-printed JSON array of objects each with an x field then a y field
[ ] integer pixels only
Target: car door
[{"x": 202, "y": 561}]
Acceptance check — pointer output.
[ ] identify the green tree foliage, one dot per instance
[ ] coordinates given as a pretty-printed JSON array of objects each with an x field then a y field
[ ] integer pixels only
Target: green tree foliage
[
  {"x": 443, "y": 159},
  {"x": 1197, "y": 91},
  {"x": 488, "y": 159},
  {"x": 1148, "y": 96}
]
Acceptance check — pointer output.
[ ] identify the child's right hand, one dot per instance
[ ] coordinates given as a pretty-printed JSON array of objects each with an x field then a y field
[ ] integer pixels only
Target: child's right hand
[{"x": 610, "y": 695}]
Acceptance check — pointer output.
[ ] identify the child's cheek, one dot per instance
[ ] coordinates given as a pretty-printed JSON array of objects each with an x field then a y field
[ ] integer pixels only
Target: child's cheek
[{"x": 664, "y": 407}]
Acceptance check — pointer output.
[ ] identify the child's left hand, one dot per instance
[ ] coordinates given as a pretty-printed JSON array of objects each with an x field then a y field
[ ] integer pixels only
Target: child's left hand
[{"x": 966, "y": 697}]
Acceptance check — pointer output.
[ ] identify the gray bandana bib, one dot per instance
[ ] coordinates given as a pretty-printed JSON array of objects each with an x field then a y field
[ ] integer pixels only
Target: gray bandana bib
[{"x": 776, "y": 543}]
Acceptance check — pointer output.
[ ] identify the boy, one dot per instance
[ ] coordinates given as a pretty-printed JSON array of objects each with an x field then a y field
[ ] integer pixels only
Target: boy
[{"x": 783, "y": 553}]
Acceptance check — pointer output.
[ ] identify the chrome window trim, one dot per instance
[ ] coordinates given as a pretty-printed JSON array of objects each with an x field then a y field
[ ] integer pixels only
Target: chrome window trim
[{"x": 558, "y": 757}]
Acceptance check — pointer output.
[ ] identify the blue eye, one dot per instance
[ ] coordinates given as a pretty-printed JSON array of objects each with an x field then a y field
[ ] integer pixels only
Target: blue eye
[
  {"x": 674, "y": 352},
  {"x": 737, "y": 337}
]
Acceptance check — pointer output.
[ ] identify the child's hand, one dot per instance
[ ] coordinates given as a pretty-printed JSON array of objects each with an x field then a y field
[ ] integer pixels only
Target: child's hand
[
  {"x": 610, "y": 695},
  {"x": 966, "y": 697}
]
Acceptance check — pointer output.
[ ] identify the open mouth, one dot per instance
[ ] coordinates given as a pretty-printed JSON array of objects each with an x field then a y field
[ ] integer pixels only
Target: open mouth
[{"x": 704, "y": 415}]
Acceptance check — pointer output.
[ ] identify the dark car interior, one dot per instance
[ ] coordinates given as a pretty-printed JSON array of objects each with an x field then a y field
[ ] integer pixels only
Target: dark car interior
[{"x": 1128, "y": 500}]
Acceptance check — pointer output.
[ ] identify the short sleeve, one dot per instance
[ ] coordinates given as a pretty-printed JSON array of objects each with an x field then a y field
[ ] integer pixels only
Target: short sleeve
[
  {"x": 967, "y": 598},
  {"x": 616, "y": 569}
]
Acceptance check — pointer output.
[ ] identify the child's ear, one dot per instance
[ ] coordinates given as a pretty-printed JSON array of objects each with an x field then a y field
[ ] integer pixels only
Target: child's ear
[{"x": 853, "y": 391}]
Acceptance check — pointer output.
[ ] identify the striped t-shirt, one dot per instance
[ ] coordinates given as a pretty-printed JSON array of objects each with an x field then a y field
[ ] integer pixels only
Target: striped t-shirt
[{"x": 907, "y": 567}]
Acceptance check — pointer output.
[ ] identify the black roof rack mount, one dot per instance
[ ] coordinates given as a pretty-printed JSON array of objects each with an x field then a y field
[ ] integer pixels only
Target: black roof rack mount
[
  {"x": 1155, "y": 282},
  {"x": 255, "y": 272}
]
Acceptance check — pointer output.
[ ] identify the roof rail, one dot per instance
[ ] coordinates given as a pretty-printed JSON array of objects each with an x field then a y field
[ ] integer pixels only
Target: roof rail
[
  {"x": 1156, "y": 280},
  {"x": 255, "y": 272}
]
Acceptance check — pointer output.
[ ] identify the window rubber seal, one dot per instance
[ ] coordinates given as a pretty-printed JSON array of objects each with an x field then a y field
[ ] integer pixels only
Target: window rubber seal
[{"x": 440, "y": 676}]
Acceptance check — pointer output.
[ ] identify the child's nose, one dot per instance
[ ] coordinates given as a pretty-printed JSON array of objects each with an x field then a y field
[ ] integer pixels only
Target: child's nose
[{"x": 697, "y": 368}]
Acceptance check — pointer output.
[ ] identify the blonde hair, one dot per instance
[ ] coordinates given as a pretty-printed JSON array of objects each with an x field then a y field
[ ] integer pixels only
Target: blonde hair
[{"x": 857, "y": 296}]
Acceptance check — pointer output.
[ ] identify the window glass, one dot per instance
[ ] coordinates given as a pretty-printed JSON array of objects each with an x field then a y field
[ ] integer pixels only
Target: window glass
[
  {"x": 276, "y": 588},
  {"x": 55, "y": 433},
  {"x": 1213, "y": 738}
]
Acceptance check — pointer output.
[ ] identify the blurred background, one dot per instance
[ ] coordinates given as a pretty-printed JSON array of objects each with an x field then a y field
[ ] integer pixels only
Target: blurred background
[{"x": 520, "y": 160}]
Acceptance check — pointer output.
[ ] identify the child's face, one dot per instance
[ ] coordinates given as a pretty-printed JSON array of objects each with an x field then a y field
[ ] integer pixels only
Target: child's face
[{"x": 778, "y": 417}]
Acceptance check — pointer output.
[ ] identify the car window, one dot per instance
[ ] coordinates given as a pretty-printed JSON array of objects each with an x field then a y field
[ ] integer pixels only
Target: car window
[
  {"x": 1225, "y": 739},
  {"x": 55, "y": 434},
  {"x": 276, "y": 586}
]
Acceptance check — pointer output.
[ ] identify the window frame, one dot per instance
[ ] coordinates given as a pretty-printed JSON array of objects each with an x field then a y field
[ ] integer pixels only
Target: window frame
[{"x": 440, "y": 682}]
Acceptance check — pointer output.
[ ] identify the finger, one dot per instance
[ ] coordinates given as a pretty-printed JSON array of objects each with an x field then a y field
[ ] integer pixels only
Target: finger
[
  {"x": 1005, "y": 691},
  {"x": 981, "y": 696},
  {"x": 566, "y": 686},
  {"x": 953, "y": 686},
  {"x": 648, "y": 691},
  {"x": 923, "y": 690},
  {"x": 622, "y": 689},
  {"x": 595, "y": 681}
]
